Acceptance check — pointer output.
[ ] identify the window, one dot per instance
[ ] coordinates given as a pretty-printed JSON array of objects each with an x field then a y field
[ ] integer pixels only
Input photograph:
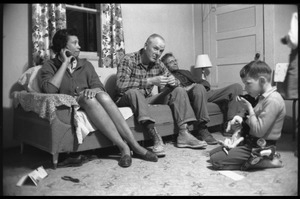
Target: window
[{"x": 85, "y": 19}]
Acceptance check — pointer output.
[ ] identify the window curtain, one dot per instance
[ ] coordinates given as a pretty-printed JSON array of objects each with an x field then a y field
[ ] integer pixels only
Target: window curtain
[
  {"x": 112, "y": 45},
  {"x": 46, "y": 20}
]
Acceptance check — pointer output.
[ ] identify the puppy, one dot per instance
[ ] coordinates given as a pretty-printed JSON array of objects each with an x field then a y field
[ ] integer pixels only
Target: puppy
[{"x": 237, "y": 126}]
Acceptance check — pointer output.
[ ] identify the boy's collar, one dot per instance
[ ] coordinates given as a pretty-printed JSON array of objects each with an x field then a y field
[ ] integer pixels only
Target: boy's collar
[{"x": 269, "y": 91}]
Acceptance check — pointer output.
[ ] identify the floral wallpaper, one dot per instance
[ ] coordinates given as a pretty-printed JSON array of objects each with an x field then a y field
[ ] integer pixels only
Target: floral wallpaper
[
  {"x": 46, "y": 20},
  {"x": 112, "y": 35}
]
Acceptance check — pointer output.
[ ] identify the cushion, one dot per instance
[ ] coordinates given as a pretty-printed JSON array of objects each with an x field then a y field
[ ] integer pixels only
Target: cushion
[{"x": 29, "y": 79}]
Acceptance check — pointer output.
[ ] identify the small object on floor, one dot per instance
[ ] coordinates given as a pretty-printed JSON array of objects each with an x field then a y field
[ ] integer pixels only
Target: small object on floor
[
  {"x": 125, "y": 161},
  {"x": 231, "y": 175},
  {"x": 68, "y": 178}
]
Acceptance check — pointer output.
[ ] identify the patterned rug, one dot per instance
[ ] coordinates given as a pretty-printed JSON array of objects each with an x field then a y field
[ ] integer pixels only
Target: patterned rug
[{"x": 182, "y": 172}]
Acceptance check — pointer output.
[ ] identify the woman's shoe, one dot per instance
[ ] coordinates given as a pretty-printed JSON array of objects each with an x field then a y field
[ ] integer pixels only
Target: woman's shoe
[
  {"x": 125, "y": 161},
  {"x": 71, "y": 162},
  {"x": 148, "y": 156}
]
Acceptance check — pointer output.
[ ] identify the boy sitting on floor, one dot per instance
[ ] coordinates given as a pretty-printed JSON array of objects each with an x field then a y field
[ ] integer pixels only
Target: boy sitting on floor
[{"x": 265, "y": 123}]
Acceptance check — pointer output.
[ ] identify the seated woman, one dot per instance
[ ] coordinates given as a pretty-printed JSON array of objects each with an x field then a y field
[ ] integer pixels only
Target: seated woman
[{"x": 68, "y": 74}]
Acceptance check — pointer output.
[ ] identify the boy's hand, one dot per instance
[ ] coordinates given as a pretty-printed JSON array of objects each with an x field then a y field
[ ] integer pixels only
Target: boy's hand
[{"x": 244, "y": 103}]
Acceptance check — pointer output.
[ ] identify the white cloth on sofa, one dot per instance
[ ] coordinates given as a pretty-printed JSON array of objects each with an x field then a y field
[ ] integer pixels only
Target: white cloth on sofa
[{"x": 84, "y": 126}]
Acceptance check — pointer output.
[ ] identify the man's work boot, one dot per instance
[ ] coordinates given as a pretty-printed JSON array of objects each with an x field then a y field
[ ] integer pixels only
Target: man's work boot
[
  {"x": 158, "y": 144},
  {"x": 187, "y": 140},
  {"x": 204, "y": 134}
]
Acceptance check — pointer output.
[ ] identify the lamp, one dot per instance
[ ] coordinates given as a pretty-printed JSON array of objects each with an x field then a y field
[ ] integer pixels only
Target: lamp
[{"x": 203, "y": 62}]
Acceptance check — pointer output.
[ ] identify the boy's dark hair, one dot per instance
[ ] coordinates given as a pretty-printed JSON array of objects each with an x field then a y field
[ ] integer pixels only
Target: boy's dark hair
[
  {"x": 60, "y": 39},
  {"x": 166, "y": 56},
  {"x": 256, "y": 68}
]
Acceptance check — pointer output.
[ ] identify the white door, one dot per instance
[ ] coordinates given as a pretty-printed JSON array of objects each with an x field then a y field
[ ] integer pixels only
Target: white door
[{"x": 235, "y": 34}]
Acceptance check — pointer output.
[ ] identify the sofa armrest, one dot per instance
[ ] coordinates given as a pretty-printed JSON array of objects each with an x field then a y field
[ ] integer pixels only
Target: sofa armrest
[{"x": 43, "y": 104}]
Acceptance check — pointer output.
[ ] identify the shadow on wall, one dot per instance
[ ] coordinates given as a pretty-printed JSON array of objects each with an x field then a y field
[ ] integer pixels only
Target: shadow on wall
[
  {"x": 288, "y": 125},
  {"x": 8, "y": 128},
  {"x": 110, "y": 85}
]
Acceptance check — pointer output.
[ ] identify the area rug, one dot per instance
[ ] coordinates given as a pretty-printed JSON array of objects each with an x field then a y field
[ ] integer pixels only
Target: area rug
[{"x": 183, "y": 172}]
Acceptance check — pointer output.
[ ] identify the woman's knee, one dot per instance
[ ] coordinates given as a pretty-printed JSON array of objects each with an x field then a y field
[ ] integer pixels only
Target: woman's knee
[
  {"x": 85, "y": 102},
  {"x": 103, "y": 97}
]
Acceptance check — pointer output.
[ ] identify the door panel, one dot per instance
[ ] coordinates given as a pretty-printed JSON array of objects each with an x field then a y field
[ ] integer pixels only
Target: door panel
[{"x": 235, "y": 35}]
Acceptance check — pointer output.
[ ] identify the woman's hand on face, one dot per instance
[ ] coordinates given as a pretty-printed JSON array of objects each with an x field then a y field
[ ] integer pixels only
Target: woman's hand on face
[{"x": 65, "y": 58}]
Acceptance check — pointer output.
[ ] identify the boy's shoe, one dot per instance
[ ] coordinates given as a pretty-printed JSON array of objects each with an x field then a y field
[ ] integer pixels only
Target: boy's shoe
[
  {"x": 187, "y": 140},
  {"x": 204, "y": 134}
]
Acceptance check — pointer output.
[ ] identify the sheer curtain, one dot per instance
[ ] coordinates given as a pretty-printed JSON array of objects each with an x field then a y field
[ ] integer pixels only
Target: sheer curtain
[
  {"x": 112, "y": 45},
  {"x": 46, "y": 20}
]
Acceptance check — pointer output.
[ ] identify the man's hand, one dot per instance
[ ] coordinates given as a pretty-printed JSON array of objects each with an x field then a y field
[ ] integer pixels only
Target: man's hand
[
  {"x": 160, "y": 81},
  {"x": 171, "y": 80}
]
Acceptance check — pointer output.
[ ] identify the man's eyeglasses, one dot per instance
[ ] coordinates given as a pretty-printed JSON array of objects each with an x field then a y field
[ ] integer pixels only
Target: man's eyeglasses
[{"x": 172, "y": 61}]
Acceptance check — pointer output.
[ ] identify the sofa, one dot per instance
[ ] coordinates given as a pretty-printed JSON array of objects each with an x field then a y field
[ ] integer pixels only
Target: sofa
[{"x": 55, "y": 131}]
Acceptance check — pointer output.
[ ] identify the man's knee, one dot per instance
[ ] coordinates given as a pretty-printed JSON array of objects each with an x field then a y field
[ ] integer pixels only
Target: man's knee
[
  {"x": 133, "y": 94},
  {"x": 179, "y": 91},
  {"x": 236, "y": 88},
  {"x": 199, "y": 88},
  {"x": 178, "y": 94}
]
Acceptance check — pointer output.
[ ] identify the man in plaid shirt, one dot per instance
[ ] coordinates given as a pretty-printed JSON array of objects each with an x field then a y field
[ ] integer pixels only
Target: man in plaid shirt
[{"x": 137, "y": 74}]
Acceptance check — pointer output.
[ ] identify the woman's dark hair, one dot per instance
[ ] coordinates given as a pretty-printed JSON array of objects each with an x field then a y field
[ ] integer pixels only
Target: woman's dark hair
[
  {"x": 256, "y": 68},
  {"x": 60, "y": 39}
]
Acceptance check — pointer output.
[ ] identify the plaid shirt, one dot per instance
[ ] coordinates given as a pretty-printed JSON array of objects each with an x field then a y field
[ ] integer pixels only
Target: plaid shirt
[{"x": 132, "y": 74}]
